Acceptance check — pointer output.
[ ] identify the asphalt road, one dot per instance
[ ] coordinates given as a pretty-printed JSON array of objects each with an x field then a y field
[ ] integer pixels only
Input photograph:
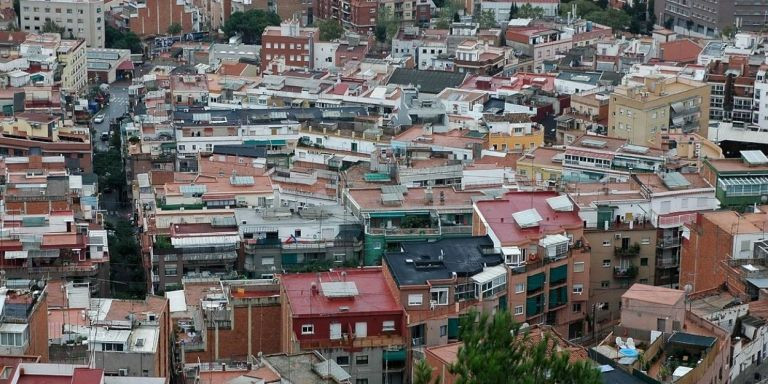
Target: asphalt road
[{"x": 118, "y": 105}]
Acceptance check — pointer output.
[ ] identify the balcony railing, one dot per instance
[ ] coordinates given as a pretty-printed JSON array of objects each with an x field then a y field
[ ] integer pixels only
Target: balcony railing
[
  {"x": 631, "y": 251},
  {"x": 669, "y": 242},
  {"x": 667, "y": 262},
  {"x": 629, "y": 272}
]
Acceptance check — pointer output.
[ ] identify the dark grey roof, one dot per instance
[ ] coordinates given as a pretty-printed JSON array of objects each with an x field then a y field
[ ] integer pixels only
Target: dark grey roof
[
  {"x": 692, "y": 340},
  {"x": 432, "y": 82},
  {"x": 252, "y": 150},
  {"x": 611, "y": 77},
  {"x": 464, "y": 256},
  {"x": 581, "y": 77},
  {"x": 617, "y": 376}
]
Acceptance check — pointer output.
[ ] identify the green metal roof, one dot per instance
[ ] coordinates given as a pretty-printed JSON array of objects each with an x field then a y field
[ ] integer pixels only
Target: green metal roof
[
  {"x": 693, "y": 340},
  {"x": 372, "y": 177}
]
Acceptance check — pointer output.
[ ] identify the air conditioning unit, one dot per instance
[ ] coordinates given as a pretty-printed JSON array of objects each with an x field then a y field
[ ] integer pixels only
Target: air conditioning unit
[
  {"x": 617, "y": 236},
  {"x": 123, "y": 372}
]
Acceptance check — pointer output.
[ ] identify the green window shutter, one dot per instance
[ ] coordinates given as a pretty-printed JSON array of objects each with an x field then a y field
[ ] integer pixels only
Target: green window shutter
[
  {"x": 536, "y": 282},
  {"x": 558, "y": 297},
  {"x": 290, "y": 258},
  {"x": 533, "y": 305},
  {"x": 453, "y": 328},
  {"x": 558, "y": 274}
]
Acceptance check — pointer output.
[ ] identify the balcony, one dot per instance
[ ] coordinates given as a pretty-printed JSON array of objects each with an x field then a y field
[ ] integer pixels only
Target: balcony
[
  {"x": 631, "y": 251},
  {"x": 667, "y": 262},
  {"x": 629, "y": 272},
  {"x": 669, "y": 242}
]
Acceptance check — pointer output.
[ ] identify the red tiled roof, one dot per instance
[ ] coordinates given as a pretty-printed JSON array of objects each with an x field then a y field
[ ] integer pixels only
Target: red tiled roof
[
  {"x": 681, "y": 51},
  {"x": 498, "y": 215},
  {"x": 373, "y": 295}
]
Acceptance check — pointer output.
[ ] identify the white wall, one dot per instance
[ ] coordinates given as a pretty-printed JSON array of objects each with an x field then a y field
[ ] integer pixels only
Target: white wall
[
  {"x": 676, "y": 203},
  {"x": 325, "y": 55},
  {"x": 571, "y": 87},
  {"x": 341, "y": 143}
]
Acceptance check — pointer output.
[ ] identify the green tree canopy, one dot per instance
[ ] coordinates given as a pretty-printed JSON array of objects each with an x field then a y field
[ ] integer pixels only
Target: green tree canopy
[
  {"x": 497, "y": 350},
  {"x": 330, "y": 29},
  {"x": 422, "y": 373},
  {"x": 486, "y": 19},
  {"x": 387, "y": 24},
  {"x": 729, "y": 31},
  {"x": 527, "y": 11},
  {"x": 174, "y": 29},
  {"x": 50, "y": 27},
  {"x": 114, "y": 38},
  {"x": 448, "y": 14},
  {"x": 250, "y": 24},
  {"x": 589, "y": 10},
  {"x": 513, "y": 11}
]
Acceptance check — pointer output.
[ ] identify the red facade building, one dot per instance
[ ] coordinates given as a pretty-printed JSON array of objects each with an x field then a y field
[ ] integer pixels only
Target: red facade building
[
  {"x": 352, "y": 316},
  {"x": 290, "y": 43}
]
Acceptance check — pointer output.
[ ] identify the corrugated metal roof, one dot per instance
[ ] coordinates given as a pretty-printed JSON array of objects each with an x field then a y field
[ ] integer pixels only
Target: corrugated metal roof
[{"x": 488, "y": 274}]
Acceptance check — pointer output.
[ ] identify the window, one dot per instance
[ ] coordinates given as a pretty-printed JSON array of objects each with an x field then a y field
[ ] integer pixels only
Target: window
[
  {"x": 519, "y": 287},
  {"x": 335, "y": 331},
  {"x": 493, "y": 287},
  {"x": 170, "y": 270},
  {"x": 361, "y": 360},
  {"x": 645, "y": 240},
  {"x": 11, "y": 339},
  {"x": 307, "y": 329},
  {"x": 607, "y": 263},
  {"x": 443, "y": 330},
  {"x": 342, "y": 360},
  {"x": 606, "y": 243},
  {"x": 578, "y": 289},
  {"x": 267, "y": 261},
  {"x": 361, "y": 329},
  {"x": 576, "y": 307},
  {"x": 745, "y": 245},
  {"x": 439, "y": 296},
  {"x": 388, "y": 326},
  {"x": 578, "y": 266},
  {"x": 642, "y": 281},
  {"x": 605, "y": 284},
  {"x": 644, "y": 262},
  {"x": 518, "y": 310},
  {"x": 361, "y": 381},
  {"x": 415, "y": 299}
]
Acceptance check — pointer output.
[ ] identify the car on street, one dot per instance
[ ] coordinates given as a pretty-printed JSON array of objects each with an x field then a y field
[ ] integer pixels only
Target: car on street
[
  {"x": 105, "y": 136},
  {"x": 99, "y": 119}
]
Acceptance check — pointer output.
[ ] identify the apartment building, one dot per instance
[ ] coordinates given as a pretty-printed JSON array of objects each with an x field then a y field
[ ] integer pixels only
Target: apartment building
[
  {"x": 591, "y": 159},
  {"x": 736, "y": 73},
  {"x": 357, "y": 15},
  {"x": 588, "y": 113},
  {"x": 708, "y": 20},
  {"x": 152, "y": 17},
  {"x": 539, "y": 42},
  {"x": 740, "y": 182},
  {"x": 542, "y": 240},
  {"x": 284, "y": 239},
  {"x": 352, "y": 316},
  {"x": 661, "y": 105},
  {"x": 392, "y": 215},
  {"x": 74, "y": 73},
  {"x": 189, "y": 90},
  {"x": 25, "y": 369},
  {"x": 513, "y": 132},
  {"x": 291, "y": 43},
  {"x": 436, "y": 282},
  {"x": 226, "y": 321},
  {"x": 81, "y": 19},
  {"x": 24, "y": 329}
]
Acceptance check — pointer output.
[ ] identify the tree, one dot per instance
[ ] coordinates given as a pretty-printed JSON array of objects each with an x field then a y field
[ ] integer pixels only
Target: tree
[
  {"x": 497, "y": 350},
  {"x": 250, "y": 24},
  {"x": 486, "y": 19},
  {"x": 422, "y": 373},
  {"x": 174, "y": 29},
  {"x": 614, "y": 18},
  {"x": 17, "y": 9},
  {"x": 448, "y": 13},
  {"x": 728, "y": 93},
  {"x": 528, "y": 11},
  {"x": 50, "y": 27},
  {"x": 513, "y": 11},
  {"x": 729, "y": 31},
  {"x": 387, "y": 23},
  {"x": 114, "y": 38},
  {"x": 330, "y": 29}
]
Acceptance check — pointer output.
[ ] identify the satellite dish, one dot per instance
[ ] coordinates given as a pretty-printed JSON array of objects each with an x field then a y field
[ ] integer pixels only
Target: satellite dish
[{"x": 688, "y": 288}]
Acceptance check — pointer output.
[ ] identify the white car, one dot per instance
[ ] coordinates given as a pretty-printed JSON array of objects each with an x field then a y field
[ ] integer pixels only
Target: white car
[{"x": 98, "y": 119}]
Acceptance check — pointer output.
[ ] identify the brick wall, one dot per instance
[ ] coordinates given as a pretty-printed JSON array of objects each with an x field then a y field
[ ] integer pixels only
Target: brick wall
[
  {"x": 155, "y": 18},
  {"x": 702, "y": 255},
  {"x": 38, "y": 330}
]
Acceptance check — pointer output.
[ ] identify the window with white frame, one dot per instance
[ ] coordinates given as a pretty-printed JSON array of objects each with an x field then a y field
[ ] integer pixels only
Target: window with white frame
[
  {"x": 490, "y": 288},
  {"x": 335, "y": 331},
  {"x": 578, "y": 288},
  {"x": 388, "y": 326},
  {"x": 578, "y": 266},
  {"x": 307, "y": 329},
  {"x": 415, "y": 299},
  {"x": 439, "y": 296},
  {"x": 12, "y": 339},
  {"x": 519, "y": 287},
  {"x": 518, "y": 310}
]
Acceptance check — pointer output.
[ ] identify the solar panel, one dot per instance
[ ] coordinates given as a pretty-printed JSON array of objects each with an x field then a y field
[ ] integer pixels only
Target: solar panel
[
  {"x": 401, "y": 189},
  {"x": 754, "y": 157},
  {"x": 593, "y": 143},
  {"x": 528, "y": 218},
  {"x": 560, "y": 203},
  {"x": 675, "y": 180},
  {"x": 635, "y": 148},
  {"x": 339, "y": 289},
  {"x": 241, "y": 180}
]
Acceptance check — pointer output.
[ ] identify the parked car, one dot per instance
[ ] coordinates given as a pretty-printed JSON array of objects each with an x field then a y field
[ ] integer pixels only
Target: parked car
[
  {"x": 105, "y": 136},
  {"x": 98, "y": 119}
]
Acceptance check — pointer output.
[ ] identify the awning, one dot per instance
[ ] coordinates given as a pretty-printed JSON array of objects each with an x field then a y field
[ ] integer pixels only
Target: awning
[
  {"x": 9, "y": 255},
  {"x": 678, "y": 107},
  {"x": 204, "y": 241},
  {"x": 12, "y": 328},
  {"x": 126, "y": 65},
  {"x": 394, "y": 355},
  {"x": 572, "y": 152},
  {"x": 553, "y": 240},
  {"x": 488, "y": 274}
]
